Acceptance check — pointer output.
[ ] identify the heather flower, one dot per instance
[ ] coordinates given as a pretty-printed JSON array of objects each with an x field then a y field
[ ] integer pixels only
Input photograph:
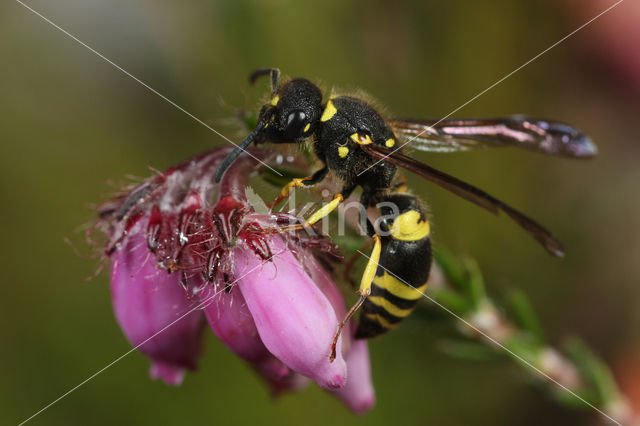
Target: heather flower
[
  {"x": 232, "y": 322},
  {"x": 146, "y": 300},
  {"x": 358, "y": 393},
  {"x": 288, "y": 310},
  {"x": 186, "y": 252}
]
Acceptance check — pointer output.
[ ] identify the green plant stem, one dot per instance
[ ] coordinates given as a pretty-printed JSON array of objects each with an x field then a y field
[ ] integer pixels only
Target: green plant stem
[{"x": 458, "y": 287}]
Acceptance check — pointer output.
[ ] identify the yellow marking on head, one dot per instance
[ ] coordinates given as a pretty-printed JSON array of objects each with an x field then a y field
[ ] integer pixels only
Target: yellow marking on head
[
  {"x": 389, "y": 143},
  {"x": 381, "y": 320},
  {"x": 389, "y": 307},
  {"x": 343, "y": 151},
  {"x": 307, "y": 127},
  {"x": 409, "y": 227},
  {"x": 275, "y": 100},
  {"x": 398, "y": 288},
  {"x": 328, "y": 112},
  {"x": 361, "y": 140}
]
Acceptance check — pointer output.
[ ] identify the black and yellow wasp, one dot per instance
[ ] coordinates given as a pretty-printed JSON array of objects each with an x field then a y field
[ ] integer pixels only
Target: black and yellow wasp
[{"x": 361, "y": 148}]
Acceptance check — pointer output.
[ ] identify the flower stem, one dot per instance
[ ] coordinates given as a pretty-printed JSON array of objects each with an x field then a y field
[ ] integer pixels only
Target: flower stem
[{"x": 575, "y": 376}]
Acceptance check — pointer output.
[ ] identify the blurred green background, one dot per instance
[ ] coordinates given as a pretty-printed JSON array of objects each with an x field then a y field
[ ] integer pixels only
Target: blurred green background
[{"x": 69, "y": 122}]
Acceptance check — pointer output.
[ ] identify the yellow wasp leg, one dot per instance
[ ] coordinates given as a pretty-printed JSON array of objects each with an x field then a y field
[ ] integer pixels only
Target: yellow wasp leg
[
  {"x": 372, "y": 266},
  {"x": 284, "y": 193},
  {"x": 295, "y": 183},
  {"x": 299, "y": 182},
  {"x": 365, "y": 290},
  {"x": 325, "y": 210}
]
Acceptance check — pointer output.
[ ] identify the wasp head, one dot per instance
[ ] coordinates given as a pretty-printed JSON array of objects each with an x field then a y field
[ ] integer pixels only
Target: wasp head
[
  {"x": 292, "y": 113},
  {"x": 290, "y": 116}
]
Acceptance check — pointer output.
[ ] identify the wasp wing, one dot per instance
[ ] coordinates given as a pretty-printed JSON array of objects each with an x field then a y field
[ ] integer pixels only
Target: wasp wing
[
  {"x": 549, "y": 137},
  {"x": 468, "y": 192}
]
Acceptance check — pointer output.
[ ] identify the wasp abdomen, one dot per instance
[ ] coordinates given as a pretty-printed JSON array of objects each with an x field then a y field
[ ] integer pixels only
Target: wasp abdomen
[{"x": 403, "y": 269}]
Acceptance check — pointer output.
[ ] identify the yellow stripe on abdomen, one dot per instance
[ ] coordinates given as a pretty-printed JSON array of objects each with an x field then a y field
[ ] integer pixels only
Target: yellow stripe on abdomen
[
  {"x": 398, "y": 288},
  {"x": 410, "y": 226},
  {"x": 381, "y": 320},
  {"x": 389, "y": 307}
]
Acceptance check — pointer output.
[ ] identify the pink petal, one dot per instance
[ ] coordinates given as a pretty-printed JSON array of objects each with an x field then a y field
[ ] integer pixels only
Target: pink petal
[
  {"x": 326, "y": 285},
  {"x": 293, "y": 382},
  {"x": 146, "y": 301},
  {"x": 231, "y": 321},
  {"x": 295, "y": 320},
  {"x": 358, "y": 393},
  {"x": 168, "y": 373}
]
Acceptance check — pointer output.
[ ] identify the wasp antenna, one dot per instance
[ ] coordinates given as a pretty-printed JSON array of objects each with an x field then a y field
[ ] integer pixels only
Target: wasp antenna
[
  {"x": 273, "y": 72},
  {"x": 228, "y": 161}
]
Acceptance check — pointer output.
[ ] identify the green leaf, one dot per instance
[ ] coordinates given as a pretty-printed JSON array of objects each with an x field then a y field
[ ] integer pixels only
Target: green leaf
[
  {"x": 569, "y": 400},
  {"x": 474, "y": 284},
  {"x": 524, "y": 314},
  {"x": 469, "y": 351},
  {"x": 524, "y": 346},
  {"x": 451, "y": 267},
  {"x": 349, "y": 243},
  {"x": 248, "y": 118},
  {"x": 452, "y": 301},
  {"x": 256, "y": 201},
  {"x": 595, "y": 372}
]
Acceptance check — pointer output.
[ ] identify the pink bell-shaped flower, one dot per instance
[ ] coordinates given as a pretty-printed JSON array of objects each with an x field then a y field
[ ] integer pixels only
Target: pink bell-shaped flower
[
  {"x": 186, "y": 251},
  {"x": 153, "y": 312}
]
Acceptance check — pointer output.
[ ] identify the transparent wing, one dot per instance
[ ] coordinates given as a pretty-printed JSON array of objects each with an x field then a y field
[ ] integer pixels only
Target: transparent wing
[
  {"x": 548, "y": 137},
  {"x": 469, "y": 193}
]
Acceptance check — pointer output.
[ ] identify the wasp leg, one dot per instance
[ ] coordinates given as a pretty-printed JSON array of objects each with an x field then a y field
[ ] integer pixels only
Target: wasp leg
[
  {"x": 341, "y": 325},
  {"x": 365, "y": 290},
  {"x": 330, "y": 206},
  {"x": 326, "y": 209},
  {"x": 349, "y": 264},
  {"x": 297, "y": 183}
]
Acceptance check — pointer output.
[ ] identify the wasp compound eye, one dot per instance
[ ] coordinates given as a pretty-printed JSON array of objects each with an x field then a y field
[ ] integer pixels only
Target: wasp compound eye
[
  {"x": 296, "y": 118},
  {"x": 296, "y": 122}
]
